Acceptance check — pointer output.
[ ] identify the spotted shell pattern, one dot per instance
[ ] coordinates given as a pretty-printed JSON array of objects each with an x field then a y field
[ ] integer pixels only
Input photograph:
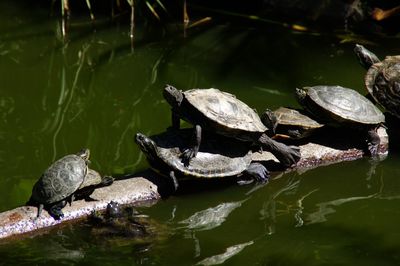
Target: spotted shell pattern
[
  {"x": 383, "y": 83},
  {"x": 60, "y": 180},
  {"x": 292, "y": 117},
  {"x": 225, "y": 109},
  {"x": 346, "y": 103},
  {"x": 216, "y": 158}
]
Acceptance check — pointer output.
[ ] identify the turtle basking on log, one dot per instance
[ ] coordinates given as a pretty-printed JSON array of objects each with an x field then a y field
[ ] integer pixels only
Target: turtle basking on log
[
  {"x": 62, "y": 181},
  {"x": 339, "y": 106},
  {"x": 288, "y": 123},
  {"x": 217, "y": 157},
  {"x": 221, "y": 112}
]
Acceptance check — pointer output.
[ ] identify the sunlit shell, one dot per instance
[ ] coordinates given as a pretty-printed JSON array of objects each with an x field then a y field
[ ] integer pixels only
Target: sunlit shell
[
  {"x": 220, "y": 157},
  {"x": 346, "y": 103},
  {"x": 292, "y": 117},
  {"x": 60, "y": 180},
  {"x": 225, "y": 109}
]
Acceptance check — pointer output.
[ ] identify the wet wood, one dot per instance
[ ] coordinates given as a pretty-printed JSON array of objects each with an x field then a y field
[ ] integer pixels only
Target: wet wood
[{"x": 327, "y": 147}]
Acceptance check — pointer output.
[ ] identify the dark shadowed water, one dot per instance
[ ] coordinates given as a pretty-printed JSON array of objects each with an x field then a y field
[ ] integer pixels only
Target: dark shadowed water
[{"x": 95, "y": 92}]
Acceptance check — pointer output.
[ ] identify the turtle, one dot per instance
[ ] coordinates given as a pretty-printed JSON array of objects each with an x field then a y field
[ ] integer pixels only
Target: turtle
[
  {"x": 218, "y": 157},
  {"x": 382, "y": 79},
  {"x": 340, "y": 106},
  {"x": 118, "y": 221},
  {"x": 124, "y": 225},
  {"x": 62, "y": 180},
  {"x": 289, "y": 123},
  {"x": 221, "y": 112}
]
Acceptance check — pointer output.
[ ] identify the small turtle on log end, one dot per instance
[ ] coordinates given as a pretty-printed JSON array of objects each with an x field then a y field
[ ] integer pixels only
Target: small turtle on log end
[{"x": 62, "y": 181}]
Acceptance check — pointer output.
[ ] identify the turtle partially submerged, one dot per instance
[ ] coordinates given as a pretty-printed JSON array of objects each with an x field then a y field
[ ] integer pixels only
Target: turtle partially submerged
[
  {"x": 221, "y": 112},
  {"x": 217, "y": 157},
  {"x": 62, "y": 180},
  {"x": 118, "y": 221},
  {"x": 382, "y": 79},
  {"x": 339, "y": 106},
  {"x": 124, "y": 225},
  {"x": 289, "y": 123}
]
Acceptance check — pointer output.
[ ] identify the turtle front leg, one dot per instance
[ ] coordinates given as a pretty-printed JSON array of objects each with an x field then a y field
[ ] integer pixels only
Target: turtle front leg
[
  {"x": 258, "y": 172},
  {"x": 287, "y": 155},
  {"x": 191, "y": 152},
  {"x": 373, "y": 141}
]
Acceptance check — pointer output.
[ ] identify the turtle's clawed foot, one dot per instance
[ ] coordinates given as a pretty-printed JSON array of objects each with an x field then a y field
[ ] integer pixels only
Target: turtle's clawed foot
[
  {"x": 295, "y": 154},
  {"x": 290, "y": 155},
  {"x": 107, "y": 180},
  {"x": 56, "y": 213},
  {"x": 258, "y": 172},
  {"x": 187, "y": 155}
]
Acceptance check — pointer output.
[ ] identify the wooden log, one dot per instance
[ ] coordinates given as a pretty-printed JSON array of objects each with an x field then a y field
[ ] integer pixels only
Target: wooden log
[{"x": 329, "y": 146}]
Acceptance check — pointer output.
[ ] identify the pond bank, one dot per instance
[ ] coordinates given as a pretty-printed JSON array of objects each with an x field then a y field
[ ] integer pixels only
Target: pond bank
[{"x": 331, "y": 146}]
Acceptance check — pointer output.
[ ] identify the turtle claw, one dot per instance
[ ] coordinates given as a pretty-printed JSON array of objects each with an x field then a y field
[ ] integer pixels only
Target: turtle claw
[
  {"x": 258, "y": 172},
  {"x": 56, "y": 213},
  {"x": 107, "y": 180},
  {"x": 187, "y": 155}
]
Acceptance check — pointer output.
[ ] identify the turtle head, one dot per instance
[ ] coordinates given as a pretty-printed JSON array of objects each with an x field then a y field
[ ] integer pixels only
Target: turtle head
[
  {"x": 113, "y": 209},
  {"x": 301, "y": 94},
  {"x": 173, "y": 96},
  {"x": 84, "y": 154},
  {"x": 366, "y": 57},
  {"x": 147, "y": 145},
  {"x": 268, "y": 118}
]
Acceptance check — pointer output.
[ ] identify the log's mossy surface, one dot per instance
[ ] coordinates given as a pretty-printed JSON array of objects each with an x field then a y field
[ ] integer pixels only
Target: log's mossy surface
[{"x": 95, "y": 91}]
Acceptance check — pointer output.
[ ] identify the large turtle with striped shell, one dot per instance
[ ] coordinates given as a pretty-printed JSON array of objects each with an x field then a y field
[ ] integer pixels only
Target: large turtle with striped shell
[
  {"x": 382, "y": 79},
  {"x": 221, "y": 112},
  {"x": 339, "y": 106},
  {"x": 216, "y": 158}
]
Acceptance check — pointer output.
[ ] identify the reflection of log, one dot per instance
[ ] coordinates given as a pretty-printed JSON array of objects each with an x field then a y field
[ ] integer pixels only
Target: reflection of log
[{"x": 329, "y": 147}]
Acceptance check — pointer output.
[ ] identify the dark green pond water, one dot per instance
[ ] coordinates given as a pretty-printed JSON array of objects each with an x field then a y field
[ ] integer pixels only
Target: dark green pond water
[{"x": 96, "y": 93}]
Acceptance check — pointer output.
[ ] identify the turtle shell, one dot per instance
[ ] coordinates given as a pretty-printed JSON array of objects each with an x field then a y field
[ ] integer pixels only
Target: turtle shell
[
  {"x": 293, "y": 124},
  {"x": 292, "y": 117},
  {"x": 217, "y": 157},
  {"x": 225, "y": 109},
  {"x": 60, "y": 180},
  {"x": 343, "y": 105},
  {"x": 383, "y": 83}
]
